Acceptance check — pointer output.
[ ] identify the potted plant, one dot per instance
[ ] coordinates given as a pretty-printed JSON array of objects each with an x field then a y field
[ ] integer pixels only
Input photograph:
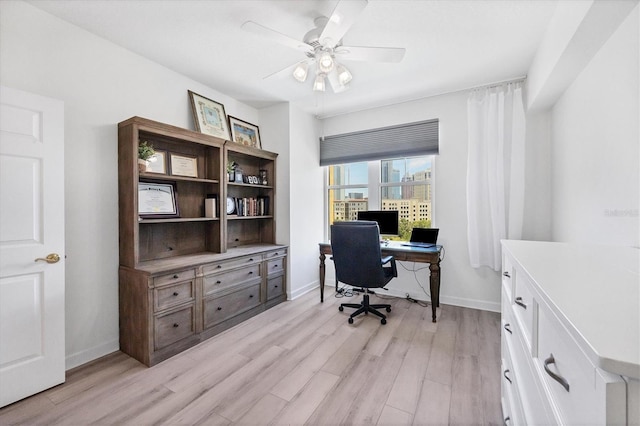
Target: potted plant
[
  {"x": 145, "y": 151},
  {"x": 231, "y": 170}
]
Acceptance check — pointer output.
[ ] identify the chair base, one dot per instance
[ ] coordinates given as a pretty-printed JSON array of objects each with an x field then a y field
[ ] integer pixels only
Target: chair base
[{"x": 365, "y": 308}]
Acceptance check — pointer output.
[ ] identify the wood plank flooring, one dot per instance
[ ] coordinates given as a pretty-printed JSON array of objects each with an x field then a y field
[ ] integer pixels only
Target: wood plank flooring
[{"x": 297, "y": 363}]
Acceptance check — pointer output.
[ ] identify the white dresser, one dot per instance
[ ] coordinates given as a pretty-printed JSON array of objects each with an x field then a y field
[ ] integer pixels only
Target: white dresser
[{"x": 570, "y": 334}]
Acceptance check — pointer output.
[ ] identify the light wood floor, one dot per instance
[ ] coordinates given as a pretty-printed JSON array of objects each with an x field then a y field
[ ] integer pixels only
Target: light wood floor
[{"x": 297, "y": 363}]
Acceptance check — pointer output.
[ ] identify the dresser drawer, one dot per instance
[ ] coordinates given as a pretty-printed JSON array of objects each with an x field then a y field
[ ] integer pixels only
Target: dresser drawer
[
  {"x": 276, "y": 253},
  {"x": 579, "y": 391},
  {"x": 174, "y": 277},
  {"x": 225, "y": 280},
  {"x": 275, "y": 265},
  {"x": 511, "y": 404},
  {"x": 224, "y": 265},
  {"x": 275, "y": 287},
  {"x": 218, "y": 309},
  {"x": 524, "y": 306},
  {"x": 508, "y": 275},
  {"x": 173, "y": 295},
  {"x": 174, "y": 326}
]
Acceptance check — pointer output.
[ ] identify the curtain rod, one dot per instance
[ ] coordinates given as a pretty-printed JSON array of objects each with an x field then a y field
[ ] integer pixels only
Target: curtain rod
[{"x": 483, "y": 86}]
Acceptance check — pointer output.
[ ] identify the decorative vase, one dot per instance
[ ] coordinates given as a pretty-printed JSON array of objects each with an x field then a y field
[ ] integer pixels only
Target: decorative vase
[{"x": 142, "y": 165}]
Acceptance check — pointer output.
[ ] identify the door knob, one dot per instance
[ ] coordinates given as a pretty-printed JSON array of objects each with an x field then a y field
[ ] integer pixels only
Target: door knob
[{"x": 51, "y": 258}]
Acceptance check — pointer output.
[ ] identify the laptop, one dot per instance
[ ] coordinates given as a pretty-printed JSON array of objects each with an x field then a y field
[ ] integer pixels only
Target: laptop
[{"x": 423, "y": 237}]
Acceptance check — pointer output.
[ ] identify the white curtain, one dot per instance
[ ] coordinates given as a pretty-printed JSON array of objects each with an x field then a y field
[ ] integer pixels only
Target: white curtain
[{"x": 495, "y": 171}]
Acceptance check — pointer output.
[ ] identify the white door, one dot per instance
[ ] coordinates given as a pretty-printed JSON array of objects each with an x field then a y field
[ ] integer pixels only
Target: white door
[{"x": 32, "y": 349}]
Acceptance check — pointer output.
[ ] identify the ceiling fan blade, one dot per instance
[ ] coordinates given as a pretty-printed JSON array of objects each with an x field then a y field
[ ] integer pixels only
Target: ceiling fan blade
[
  {"x": 335, "y": 83},
  {"x": 342, "y": 18},
  {"x": 372, "y": 54},
  {"x": 276, "y": 36}
]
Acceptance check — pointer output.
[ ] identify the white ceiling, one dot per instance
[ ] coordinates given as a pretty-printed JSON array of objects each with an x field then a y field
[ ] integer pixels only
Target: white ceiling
[{"x": 450, "y": 44}]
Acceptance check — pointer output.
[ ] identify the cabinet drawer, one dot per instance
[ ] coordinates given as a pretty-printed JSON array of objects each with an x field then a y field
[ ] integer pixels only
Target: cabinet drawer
[
  {"x": 511, "y": 405},
  {"x": 174, "y": 326},
  {"x": 226, "y": 280},
  {"x": 218, "y": 309},
  {"x": 172, "y": 295},
  {"x": 524, "y": 306},
  {"x": 275, "y": 286},
  {"x": 275, "y": 265},
  {"x": 174, "y": 277},
  {"x": 508, "y": 274},
  {"x": 583, "y": 397},
  {"x": 275, "y": 253},
  {"x": 225, "y": 265}
]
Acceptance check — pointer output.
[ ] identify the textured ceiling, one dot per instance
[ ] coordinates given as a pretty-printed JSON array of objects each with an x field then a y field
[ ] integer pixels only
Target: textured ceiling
[{"x": 450, "y": 44}]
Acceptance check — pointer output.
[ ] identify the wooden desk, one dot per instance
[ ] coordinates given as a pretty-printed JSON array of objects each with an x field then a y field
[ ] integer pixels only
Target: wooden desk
[{"x": 400, "y": 252}]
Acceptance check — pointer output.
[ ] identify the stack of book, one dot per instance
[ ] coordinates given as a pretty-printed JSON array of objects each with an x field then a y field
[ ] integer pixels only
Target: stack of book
[{"x": 252, "y": 206}]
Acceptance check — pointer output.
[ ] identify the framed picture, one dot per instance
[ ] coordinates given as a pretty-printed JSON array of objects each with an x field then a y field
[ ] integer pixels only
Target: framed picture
[
  {"x": 157, "y": 200},
  {"x": 244, "y": 133},
  {"x": 209, "y": 116},
  {"x": 158, "y": 163},
  {"x": 183, "y": 165}
]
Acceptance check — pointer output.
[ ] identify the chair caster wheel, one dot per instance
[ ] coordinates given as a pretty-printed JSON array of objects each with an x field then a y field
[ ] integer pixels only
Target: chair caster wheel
[
  {"x": 340, "y": 308},
  {"x": 350, "y": 320},
  {"x": 388, "y": 309},
  {"x": 383, "y": 321}
]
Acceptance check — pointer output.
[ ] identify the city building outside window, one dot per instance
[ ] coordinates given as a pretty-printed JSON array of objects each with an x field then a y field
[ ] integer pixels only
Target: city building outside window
[{"x": 403, "y": 184}]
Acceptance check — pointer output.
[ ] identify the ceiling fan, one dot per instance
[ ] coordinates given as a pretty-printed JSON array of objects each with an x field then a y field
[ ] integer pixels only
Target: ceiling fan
[{"x": 323, "y": 44}]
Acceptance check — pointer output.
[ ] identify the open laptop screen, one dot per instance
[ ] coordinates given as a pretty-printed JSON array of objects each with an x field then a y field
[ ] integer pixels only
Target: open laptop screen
[{"x": 424, "y": 235}]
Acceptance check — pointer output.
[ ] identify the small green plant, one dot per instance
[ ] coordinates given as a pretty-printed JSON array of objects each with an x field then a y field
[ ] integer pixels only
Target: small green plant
[
  {"x": 145, "y": 150},
  {"x": 231, "y": 166}
]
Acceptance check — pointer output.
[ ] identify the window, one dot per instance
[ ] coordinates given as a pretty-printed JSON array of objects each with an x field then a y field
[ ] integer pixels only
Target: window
[{"x": 403, "y": 184}]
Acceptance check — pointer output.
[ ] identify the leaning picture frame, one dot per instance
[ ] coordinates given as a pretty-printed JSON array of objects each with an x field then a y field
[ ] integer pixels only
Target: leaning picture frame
[
  {"x": 244, "y": 133},
  {"x": 157, "y": 200},
  {"x": 209, "y": 116}
]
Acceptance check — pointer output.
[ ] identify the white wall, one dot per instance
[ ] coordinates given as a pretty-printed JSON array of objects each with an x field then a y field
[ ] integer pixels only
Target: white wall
[
  {"x": 595, "y": 146},
  {"x": 101, "y": 84},
  {"x": 461, "y": 284}
]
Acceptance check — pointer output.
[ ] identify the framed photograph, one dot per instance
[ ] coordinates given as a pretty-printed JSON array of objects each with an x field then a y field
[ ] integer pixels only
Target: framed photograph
[
  {"x": 157, "y": 200},
  {"x": 209, "y": 116},
  {"x": 244, "y": 133},
  {"x": 183, "y": 165},
  {"x": 158, "y": 163}
]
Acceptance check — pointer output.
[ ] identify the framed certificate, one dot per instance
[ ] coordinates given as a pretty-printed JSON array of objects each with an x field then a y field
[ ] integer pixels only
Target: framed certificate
[
  {"x": 157, "y": 200},
  {"x": 182, "y": 165},
  {"x": 158, "y": 163}
]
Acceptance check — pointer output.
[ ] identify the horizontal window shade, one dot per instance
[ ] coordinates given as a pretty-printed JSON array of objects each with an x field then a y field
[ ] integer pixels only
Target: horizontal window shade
[{"x": 404, "y": 140}]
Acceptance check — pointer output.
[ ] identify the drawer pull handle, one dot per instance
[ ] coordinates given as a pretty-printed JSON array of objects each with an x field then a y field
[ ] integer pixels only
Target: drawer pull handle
[
  {"x": 176, "y": 276},
  {"x": 219, "y": 266},
  {"x": 520, "y": 302},
  {"x": 275, "y": 266},
  {"x": 250, "y": 272},
  {"x": 219, "y": 308},
  {"x": 175, "y": 293},
  {"x": 506, "y": 274},
  {"x": 507, "y": 419},
  {"x": 554, "y": 376},
  {"x": 276, "y": 253},
  {"x": 506, "y": 377},
  {"x": 218, "y": 282},
  {"x": 175, "y": 325},
  {"x": 506, "y": 327},
  {"x": 250, "y": 296},
  {"x": 275, "y": 286},
  {"x": 251, "y": 260}
]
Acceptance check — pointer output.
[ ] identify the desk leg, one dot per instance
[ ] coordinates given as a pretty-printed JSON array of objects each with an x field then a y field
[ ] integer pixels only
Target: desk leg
[
  {"x": 434, "y": 284},
  {"x": 322, "y": 257}
]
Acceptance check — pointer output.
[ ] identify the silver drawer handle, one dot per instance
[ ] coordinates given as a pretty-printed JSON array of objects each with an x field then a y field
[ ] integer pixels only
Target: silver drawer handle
[
  {"x": 520, "y": 302},
  {"x": 506, "y": 274},
  {"x": 506, "y": 327},
  {"x": 505, "y": 376},
  {"x": 554, "y": 376},
  {"x": 507, "y": 419}
]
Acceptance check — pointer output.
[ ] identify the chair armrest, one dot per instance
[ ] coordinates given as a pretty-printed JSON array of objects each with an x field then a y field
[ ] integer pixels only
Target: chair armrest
[{"x": 394, "y": 270}]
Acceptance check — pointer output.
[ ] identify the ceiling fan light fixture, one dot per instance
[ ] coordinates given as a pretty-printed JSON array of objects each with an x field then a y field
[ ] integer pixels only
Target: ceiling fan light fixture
[
  {"x": 301, "y": 71},
  {"x": 325, "y": 62},
  {"x": 344, "y": 75},
  {"x": 318, "y": 84}
]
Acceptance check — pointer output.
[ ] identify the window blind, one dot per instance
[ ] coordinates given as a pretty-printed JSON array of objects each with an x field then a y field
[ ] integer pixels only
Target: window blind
[{"x": 404, "y": 140}]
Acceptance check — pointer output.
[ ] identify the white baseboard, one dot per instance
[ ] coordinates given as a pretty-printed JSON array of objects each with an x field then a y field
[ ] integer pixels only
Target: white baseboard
[
  {"x": 304, "y": 290},
  {"x": 82, "y": 357},
  {"x": 455, "y": 301}
]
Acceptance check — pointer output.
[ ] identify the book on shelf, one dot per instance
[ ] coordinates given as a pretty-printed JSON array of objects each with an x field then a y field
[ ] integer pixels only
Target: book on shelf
[{"x": 250, "y": 206}]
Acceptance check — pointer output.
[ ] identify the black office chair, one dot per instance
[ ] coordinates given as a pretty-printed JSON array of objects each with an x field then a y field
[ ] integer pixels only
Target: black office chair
[{"x": 358, "y": 261}]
